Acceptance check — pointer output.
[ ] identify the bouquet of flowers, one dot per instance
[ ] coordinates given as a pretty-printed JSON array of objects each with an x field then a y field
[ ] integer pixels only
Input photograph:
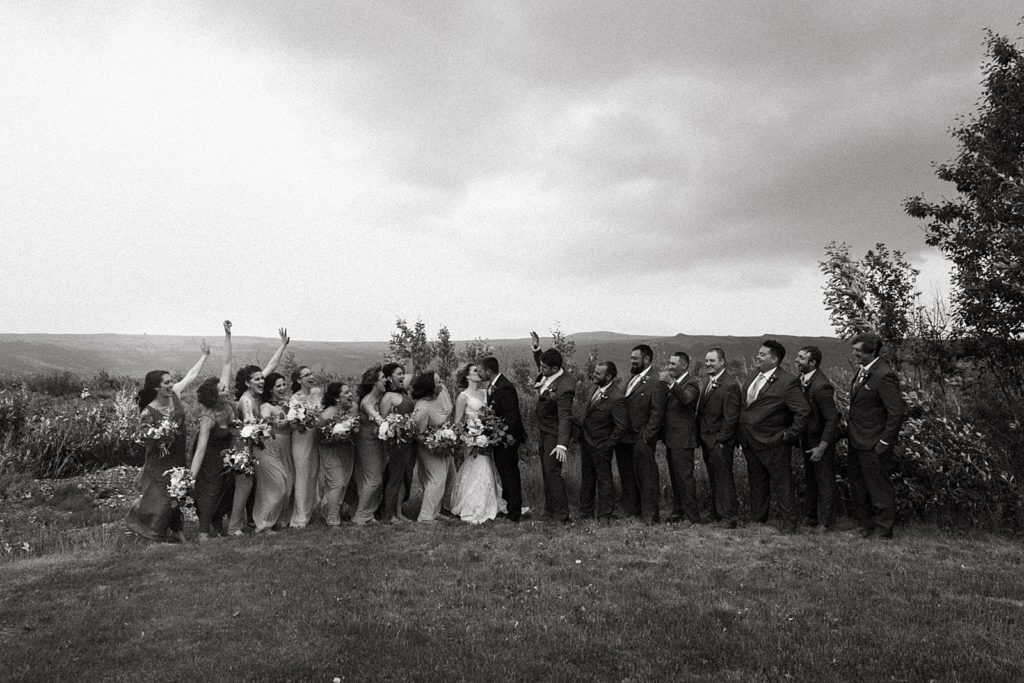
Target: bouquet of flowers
[
  {"x": 302, "y": 415},
  {"x": 485, "y": 430},
  {"x": 256, "y": 433},
  {"x": 396, "y": 429},
  {"x": 160, "y": 435},
  {"x": 342, "y": 429},
  {"x": 441, "y": 440},
  {"x": 181, "y": 482},
  {"x": 240, "y": 460}
]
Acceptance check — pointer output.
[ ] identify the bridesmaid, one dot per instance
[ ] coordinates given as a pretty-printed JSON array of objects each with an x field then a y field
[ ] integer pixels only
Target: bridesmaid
[
  {"x": 433, "y": 408},
  {"x": 401, "y": 457},
  {"x": 304, "y": 452},
  {"x": 336, "y": 458},
  {"x": 214, "y": 484},
  {"x": 155, "y": 515},
  {"x": 369, "y": 457},
  {"x": 274, "y": 474},
  {"x": 249, "y": 385}
]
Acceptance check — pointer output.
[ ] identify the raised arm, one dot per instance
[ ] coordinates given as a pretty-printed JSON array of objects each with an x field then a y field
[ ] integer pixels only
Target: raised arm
[
  {"x": 225, "y": 372},
  {"x": 282, "y": 332},
  {"x": 191, "y": 375}
]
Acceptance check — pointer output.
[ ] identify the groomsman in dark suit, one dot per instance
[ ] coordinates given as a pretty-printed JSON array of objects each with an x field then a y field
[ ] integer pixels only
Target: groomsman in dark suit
[
  {"x": 645, "y": 411},
  {"x": 503, "y": 398},
  {"x": 818, "y": 440},
  {"x": 773, "y": 416},
  {"x": 556, "y": 393},
  {"x": 876, "y": 414},
  {"x": 680, "y": 436},
  {"x": 602, "y": 422},
  {"x": 718, "y": 414}
]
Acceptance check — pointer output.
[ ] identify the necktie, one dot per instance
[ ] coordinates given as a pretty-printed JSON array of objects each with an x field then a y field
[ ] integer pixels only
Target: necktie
[
  {"x": 632, "y": 383},
  {"x": 755, "y": 387},
  {"x": 861, "y": 376},
  {"x": 596, "y": 397}
]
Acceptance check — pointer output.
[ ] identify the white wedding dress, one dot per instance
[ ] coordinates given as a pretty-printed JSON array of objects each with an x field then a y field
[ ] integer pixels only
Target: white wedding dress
[{"x": 476, "y": 493}]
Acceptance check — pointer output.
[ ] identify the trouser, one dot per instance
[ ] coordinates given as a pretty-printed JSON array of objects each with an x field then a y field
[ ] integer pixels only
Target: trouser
[
  {"x": 239, "y": 502},
  {"x": 718, "y": 461},
  {"x": 820, "y": 479},
  {"x": 336, "y": 465},
  {"x": 684, "y": 486},
  {"x": 771, "y": 477},
  {"x": 436, "y": 475},
  {"x": 596, "y": 477},
  {"x": 556, "y": 500},
  {"x": 645, "y": 469},
  {"x": 629, "y": 501},
  {"x": 507, "y": 462},
  {"x": 868, "y": 473}
]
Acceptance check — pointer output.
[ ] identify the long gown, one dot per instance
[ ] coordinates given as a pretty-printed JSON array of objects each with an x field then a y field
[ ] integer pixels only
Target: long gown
[
  {"x": 369, "y": 470},
  {"x": 152, "y": 515},
  {"x": 336, "y": 461},
  {"x": 437, "y": 471},
  {"x": 476, "y": 493},
  {"x": 305, "y": 457},
  {"x": 274, "y": 477},
  {"x": 215, "y": 484},
  {"x": 401, "y": 458}
]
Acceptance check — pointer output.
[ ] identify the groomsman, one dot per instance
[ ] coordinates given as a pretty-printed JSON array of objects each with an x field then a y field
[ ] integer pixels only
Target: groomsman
[
  {"x": 556, "y": 393},
  {"x": 602, "y": 422},
  {"x": 503, "y": 398},
  {"x": 718, "y": 414},
  {"x": 818, "y": 440},
  {"x": 680, "y": 436},
  {"x": 645, "y": 410},
  {"x": 771, "y": 420},
  {"x": 876, "y": 414}
]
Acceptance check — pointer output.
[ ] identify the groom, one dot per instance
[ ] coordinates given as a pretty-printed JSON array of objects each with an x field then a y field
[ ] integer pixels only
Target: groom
[{"x": 503, "y": 398}]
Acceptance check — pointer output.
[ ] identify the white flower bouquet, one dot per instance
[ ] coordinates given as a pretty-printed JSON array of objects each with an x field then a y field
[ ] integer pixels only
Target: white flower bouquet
[
  {"x": 160, "y": 435},
  {"x": 302, "y": 415},
  {"x": 240, "y": 460},
  {"x": 343, "y": 429},
  {"x": 181, "y": 482},
  {"x": 396, "y": 429},
  {"x": 486, "y": 430},
  {"x": 255, "y": 433},
  {"x": 441, "y": 440}
]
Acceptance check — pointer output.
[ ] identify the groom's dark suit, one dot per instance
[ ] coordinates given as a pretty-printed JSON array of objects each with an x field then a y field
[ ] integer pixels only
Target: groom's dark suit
[{"x": 503, "y": 398}]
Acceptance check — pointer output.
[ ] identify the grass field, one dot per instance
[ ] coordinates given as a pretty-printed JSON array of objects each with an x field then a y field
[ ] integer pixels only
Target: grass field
[{"x": 526, "y": 602}]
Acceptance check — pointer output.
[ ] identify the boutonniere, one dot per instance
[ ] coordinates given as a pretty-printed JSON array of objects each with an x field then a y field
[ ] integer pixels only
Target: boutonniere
[
  {"x": 712, "y": 385},
  {"x": 772, "y": 379}
]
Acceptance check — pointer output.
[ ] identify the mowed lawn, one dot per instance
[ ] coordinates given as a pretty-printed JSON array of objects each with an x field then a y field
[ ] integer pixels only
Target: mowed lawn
[{"x": 527, "y": 602}]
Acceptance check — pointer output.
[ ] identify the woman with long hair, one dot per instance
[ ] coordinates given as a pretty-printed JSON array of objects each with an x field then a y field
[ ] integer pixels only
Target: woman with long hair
[
  {"x": 214, "y": 485},
  {"x": 156, "y": 515},
  {"x": 305, "y": 457},
  {"x": 433, "y": 408},
  {"x": 369, "y": 456},
  {"x": 274, "y": 473},
  {"x": 336, "y": 457},
  {"x": 249, "y": 385},
  {"x": 400, "y": 457},
  {"x": 476, "y": 492}
]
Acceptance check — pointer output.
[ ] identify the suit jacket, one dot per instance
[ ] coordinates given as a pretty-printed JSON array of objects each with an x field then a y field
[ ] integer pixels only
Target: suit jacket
[
  {"x": 680, "y": 429},
  {"x": 554, "y": 409},
  {"x": 876, "y": 408},
  {"x": 823, "y": 421},
  {"x": 645, "y": 410},
  {"x": 777, "y": 416},
  {"x": 603, "y": 424},
  {"x": 718, "y": 411},
  {"x": 504, "y": 399}
]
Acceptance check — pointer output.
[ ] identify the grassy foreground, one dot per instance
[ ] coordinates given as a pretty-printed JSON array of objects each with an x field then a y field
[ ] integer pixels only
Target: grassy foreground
[{"x": 527, "y": 602}]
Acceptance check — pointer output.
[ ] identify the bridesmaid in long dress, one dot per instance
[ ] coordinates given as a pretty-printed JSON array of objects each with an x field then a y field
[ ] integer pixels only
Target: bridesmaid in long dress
[
  {"x": 304, "y": 451},
  {"x": 214, "y": 484},
  {"x": 274, "y": 473},
  {"x": 369, "y": 455},
  {"x": 156, "y": 515},
  {"x": 400, "y": 457},
  {"x": 336, "y": 458},
  {"x": 433, "y": 408},
  {"x": 249, "y": 385}
]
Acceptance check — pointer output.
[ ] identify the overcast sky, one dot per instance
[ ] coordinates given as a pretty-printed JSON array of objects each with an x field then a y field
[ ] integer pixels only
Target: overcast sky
[{"x": 651, "y": 168}]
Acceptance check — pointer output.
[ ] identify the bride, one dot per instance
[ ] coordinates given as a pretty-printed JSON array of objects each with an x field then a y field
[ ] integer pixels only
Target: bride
[{"x": 476, "y": 493}]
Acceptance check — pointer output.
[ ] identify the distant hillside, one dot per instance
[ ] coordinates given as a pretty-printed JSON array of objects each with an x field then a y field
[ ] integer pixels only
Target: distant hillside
[{"x": 134, "y": 355}]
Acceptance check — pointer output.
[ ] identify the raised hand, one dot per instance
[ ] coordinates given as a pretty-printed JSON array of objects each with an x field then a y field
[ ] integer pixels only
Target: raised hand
[
  {"x": 227, "y": 327},
  {"x": 204, "y": 347},
  {"x": 282, "y": 332},
  {"x": 535, "y": 339}
]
